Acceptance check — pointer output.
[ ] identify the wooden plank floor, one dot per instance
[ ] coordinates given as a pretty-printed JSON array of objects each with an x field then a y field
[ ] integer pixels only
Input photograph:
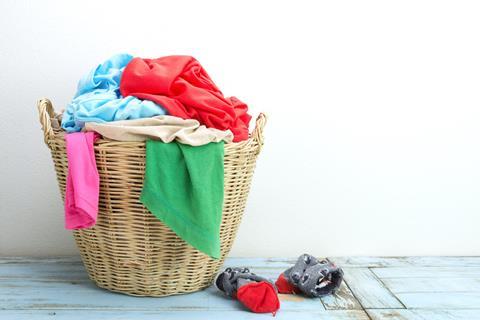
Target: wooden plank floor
[{"x": 430, "y": 288}]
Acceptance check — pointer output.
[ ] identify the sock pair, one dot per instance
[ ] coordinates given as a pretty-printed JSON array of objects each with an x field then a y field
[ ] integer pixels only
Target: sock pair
[
  {"x": 308, "y": 276},
  {"x": 256, "y": 293}
]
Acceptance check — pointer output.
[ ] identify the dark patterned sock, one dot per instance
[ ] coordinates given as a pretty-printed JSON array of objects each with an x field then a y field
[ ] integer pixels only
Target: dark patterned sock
[
  {"x": 311, "y": 277},
  {"x": 256, "y": 293}
]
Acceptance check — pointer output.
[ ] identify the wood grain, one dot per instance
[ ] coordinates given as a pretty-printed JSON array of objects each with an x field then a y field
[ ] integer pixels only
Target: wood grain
[
  {"x": 343, "y": 299},
  {"x": 440, "y": 314},
  {"x": 369, "y": 291},
  {"x": 379, "y": 262},
  {"x": 174, "y": 315},
  {"x": 433, "y": 288},
  {"x": 428, "y": 272}
]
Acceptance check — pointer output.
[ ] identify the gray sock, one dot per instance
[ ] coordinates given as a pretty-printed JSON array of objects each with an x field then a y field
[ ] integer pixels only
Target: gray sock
[
  {"x": 230, "y": 280},
  {"x": 314, "y": 278}
]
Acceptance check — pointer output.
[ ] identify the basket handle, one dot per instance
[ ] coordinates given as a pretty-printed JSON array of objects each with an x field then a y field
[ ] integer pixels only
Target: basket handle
[
  {"x": 257, "y": 133},
  {"x": 46, "y": 113}
]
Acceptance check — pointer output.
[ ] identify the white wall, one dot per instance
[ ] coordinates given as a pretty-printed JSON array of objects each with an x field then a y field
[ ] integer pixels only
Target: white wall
[{"x": 373, "y": 142}]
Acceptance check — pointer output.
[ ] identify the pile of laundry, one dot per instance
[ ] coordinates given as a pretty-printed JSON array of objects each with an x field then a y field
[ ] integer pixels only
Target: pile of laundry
[{"x": 173, "y": 105}]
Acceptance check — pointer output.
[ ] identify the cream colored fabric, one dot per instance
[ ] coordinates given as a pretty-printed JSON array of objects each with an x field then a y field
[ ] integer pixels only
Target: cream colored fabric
[{"x": 165, "y": 128}]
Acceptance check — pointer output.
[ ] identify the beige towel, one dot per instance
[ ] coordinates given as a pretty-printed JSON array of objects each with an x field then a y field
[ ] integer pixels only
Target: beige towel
[{"x": 165, "y": 128}]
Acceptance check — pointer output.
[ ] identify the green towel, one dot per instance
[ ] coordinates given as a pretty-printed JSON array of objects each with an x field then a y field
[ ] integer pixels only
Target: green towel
[{"x": 183, "y": 187}]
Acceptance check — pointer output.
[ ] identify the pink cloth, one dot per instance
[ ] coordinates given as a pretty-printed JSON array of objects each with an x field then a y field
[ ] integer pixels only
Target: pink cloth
[{"x": 83, "y": 183}]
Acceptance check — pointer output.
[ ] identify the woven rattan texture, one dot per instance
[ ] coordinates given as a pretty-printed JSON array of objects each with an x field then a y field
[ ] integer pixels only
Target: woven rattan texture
[{"x": 131, "y": 251}]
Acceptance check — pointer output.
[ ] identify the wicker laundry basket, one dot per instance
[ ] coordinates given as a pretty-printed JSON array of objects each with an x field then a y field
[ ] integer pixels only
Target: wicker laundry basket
[{"x": 131, "y": 251}]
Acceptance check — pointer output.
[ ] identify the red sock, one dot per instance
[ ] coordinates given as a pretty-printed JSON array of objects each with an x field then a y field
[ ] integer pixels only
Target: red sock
[
  {"x": 284, "y": 286},
  {"x": 259, "y": 297}
]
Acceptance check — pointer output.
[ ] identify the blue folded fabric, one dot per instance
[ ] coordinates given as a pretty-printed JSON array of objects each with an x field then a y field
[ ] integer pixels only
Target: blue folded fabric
[{"x": 98, "y": 98}]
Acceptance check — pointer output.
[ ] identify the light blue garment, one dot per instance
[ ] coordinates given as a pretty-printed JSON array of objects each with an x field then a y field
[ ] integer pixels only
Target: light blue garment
[{"x": 98, "y": 98}]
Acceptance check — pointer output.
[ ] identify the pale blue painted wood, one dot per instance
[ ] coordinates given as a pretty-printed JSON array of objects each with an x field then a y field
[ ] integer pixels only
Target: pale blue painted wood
[
  {"x": 428, "y": 272},
  {"x": 264, "y": 263},
  {"x": 343, "y": 299},
  {"x": 55, "y": 259},
  {"x": 376, "y": 262},
  {"x": 172, "y": 315},
  {"x": 32, "y": 288},
  {"x": 85, "y": 295},
  {"x": 368, "y": 262},
  {"x": 37, "y": 294},
  {"x": 444, "y": 261},
  {"x": 402, "y": 285},
  {"x": 368, "y": 290},
  {"x": 441, "y": 300},
  {"x": 60, "y": 271},
  {"x": 440, "y": 314},
  {"x": 64, "y": 284}
]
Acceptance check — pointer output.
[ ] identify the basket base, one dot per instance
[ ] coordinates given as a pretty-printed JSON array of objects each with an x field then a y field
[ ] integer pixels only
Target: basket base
[
  {"x": 146, "y": 274},
  {"x": 150, "y": 294}
]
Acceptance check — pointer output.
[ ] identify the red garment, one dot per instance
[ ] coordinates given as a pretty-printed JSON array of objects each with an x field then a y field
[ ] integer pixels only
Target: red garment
[
  {"x": 259, "y": 297},
  {"x": 183, "y": 87},
  {"x": 284, "y": 286}
]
